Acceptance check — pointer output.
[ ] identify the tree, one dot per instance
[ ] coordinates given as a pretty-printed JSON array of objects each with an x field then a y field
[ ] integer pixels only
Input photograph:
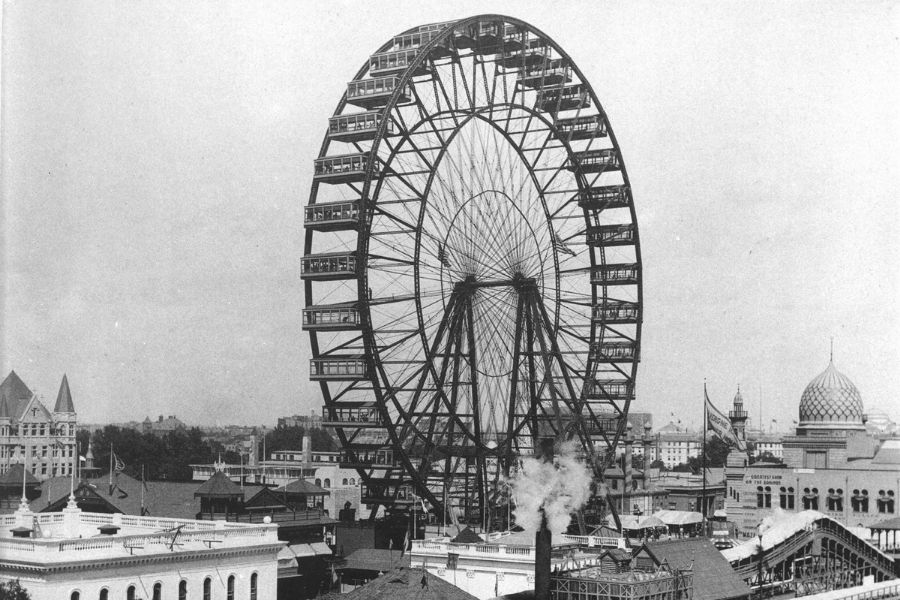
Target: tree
[
  {"x": 291, "y": 438},
  {"x": 766, "y": 457},
  {"x": 168, "y": 457},
  {"x": 658, "y": 464},
  {"x": 13, "y": 590},
  {"x": 82, "y": 437},
  {"x": 716, "y": 451}
]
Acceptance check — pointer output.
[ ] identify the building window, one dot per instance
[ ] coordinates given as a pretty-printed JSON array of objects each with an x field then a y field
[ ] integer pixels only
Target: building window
[
  {"x": 253, "y": 579},
  {"x": 352, "y": 481},
  {"x": 319, "y": 482},
  {"x": 835, "y": 500},
  {"x": 859, "y": 502},
  {"x": 129, "y": 595},
  {"x": 327, "y": 483},
  {"x": 207, "y": 589},
  {"x": 76, "y": 595},
  {"x": 885, "y": 501},
  {"x": 157, "y": 591},
  {"x": 230, "y": 594},
  {"x": 810, "y": 499},
  {"x": 182, "y": 589},
  {"x": 104, "y": 594},
  {"x": 786, "y": 498},
  {"x": 344, "y": 481}
]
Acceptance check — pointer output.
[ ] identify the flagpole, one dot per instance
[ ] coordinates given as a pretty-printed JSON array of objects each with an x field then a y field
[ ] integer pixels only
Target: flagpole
[
  {"x": 110, "y": 467},
  {"x": 142, "y": 489},
  {"x": 703, "y": 466}
]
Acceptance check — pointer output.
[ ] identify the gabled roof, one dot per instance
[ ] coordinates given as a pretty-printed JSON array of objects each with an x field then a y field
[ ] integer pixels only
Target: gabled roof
[
  {"x": 265, "y": 498},
  {"x": 87, "y": 497},
  {"x": 16, "y": 394},
  {"x": 714, "y": 579},
  {"x": 374, "y": 559},
  {"x": 404, "y": 583},
  {"x": 219, "y": 486},
  {"x": 13, "y": 477},
  {"x": 64, "y": 398},
  {"x": 467, "y": 536},
  {"x": 301, "y": 486},
  {"x": 35, "y": 407},
  {"x": 14, "y": 388}
]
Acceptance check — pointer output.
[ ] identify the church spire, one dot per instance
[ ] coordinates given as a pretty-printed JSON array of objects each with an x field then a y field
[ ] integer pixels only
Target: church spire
[{"x": 64, "y": 398}]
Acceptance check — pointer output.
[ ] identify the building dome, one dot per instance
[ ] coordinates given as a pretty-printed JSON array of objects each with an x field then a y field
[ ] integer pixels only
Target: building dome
[{"x": 831, "y": 401}]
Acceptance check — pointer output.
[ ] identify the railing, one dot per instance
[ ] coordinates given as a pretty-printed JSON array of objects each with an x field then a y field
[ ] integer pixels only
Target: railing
[
  {"x": 499, "y": 549},
  {"x": 232, "y": 534}
]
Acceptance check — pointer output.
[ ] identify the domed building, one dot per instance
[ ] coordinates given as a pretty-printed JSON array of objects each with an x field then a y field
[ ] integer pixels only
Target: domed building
[
  {"x": 832, "y": 463},
  {"x": 830, "y": 405}
]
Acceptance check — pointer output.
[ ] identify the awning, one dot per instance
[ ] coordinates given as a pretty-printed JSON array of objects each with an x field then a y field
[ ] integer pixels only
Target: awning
[
  {"x": 321, "y": 548},
  {"x": 286, "y": 558},
  {"x": 313, "y": 549},
  {"x": 302, "y": 550},
  {"x": 678, "y": 517}
]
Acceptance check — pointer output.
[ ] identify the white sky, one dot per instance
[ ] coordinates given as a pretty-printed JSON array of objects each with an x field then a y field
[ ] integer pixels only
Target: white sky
[{"x": 156, "y": 157}]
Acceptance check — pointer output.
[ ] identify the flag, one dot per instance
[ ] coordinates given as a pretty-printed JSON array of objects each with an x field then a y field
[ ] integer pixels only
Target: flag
[
  {"x": 719, "y": 424},
  {"x": 405, "y": 543},
  {"x": 442, "y": 256},
  {"x": 81, "y": 459},
  {"x": 559, "y": 244},
  {"x": 120, "y": 465}
]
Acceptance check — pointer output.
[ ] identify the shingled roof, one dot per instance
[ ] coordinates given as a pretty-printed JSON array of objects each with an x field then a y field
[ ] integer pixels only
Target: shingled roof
[
  {"x": 219, "y": 486},
  {"x": 64, "y": 398},
  {"x": 301, "y": 486},
  {"x": 408, "y": 584},
  {"x": 15, "y": 394},
  {"x": 13, "y": 477},
  {"x": 714, "y": 579}
]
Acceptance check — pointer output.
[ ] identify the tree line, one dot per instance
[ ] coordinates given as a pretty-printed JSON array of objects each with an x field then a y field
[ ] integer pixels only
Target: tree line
[{"x": 171, "y": 455}]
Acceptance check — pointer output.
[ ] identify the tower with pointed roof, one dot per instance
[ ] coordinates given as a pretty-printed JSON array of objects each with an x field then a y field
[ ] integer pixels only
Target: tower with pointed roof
[
  {"x": 738, "y": 416},
  {"x": 42, "y": 440}
]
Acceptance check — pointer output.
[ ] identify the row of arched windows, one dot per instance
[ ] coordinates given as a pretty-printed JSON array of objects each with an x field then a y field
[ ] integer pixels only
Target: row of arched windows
[
  {"x": 834, "y": 499},
  {"x": 327, "y": 483},
  {"x": 131, "y": 592}
]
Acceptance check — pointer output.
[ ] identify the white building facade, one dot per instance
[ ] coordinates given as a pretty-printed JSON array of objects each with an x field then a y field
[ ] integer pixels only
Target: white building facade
[
  {"x": 75, "y": 555},
  {"x": 504, "y": 565}
]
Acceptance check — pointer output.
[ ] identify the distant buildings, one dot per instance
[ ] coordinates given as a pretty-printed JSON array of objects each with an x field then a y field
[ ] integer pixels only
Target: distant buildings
[
  {"x": 76, "y": 555},
  {"x": 675, "y": 445},
  {"x": 832, "y": 464},
  {"x": 31, "y": 434},
  {"x": 162, "y": 425},
  {"x": 322, "y": 468}
]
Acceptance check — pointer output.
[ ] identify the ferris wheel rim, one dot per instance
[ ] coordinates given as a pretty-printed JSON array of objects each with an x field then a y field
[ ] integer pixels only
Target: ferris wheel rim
[{"x": 367, "y": 196}]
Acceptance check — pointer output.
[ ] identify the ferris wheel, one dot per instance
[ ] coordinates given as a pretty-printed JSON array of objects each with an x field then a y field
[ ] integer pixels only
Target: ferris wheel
[{"x": 471, "y": 265}]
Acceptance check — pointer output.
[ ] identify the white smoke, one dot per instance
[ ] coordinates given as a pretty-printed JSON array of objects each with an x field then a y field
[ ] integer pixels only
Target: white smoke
[{"x": 560, "y": 487}]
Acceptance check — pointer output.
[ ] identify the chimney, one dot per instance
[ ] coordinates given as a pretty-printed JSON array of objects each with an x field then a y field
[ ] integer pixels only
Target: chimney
[
  {"x": 542, "y": 539},
  {"x": 307, "y": 448},
  {"x": 542, "y": 545},
  {"x": 626, "y": 468}
]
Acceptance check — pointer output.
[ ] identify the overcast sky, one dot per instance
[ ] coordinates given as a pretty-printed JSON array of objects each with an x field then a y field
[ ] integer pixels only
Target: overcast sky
[{"x": 156, "y": 157}]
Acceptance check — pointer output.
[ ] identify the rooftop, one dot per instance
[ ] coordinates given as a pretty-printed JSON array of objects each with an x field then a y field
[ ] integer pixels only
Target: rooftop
[{"x": 74, "y": 536}]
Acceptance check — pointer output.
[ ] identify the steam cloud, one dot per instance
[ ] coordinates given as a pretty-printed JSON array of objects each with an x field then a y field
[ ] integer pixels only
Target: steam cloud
[{"x": 560, "y": 487}]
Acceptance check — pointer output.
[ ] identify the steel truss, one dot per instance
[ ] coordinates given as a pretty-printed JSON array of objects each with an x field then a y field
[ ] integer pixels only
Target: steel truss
[{"x": 473, "y": 276}]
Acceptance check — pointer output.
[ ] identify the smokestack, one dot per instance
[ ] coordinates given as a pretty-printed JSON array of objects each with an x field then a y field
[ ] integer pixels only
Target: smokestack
[
  {"x": 627, "y": 471},
  {"x": 542, "y": 543},
  {"x": 307, "y": 448},
  {"x": 543, "y": 536}
]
